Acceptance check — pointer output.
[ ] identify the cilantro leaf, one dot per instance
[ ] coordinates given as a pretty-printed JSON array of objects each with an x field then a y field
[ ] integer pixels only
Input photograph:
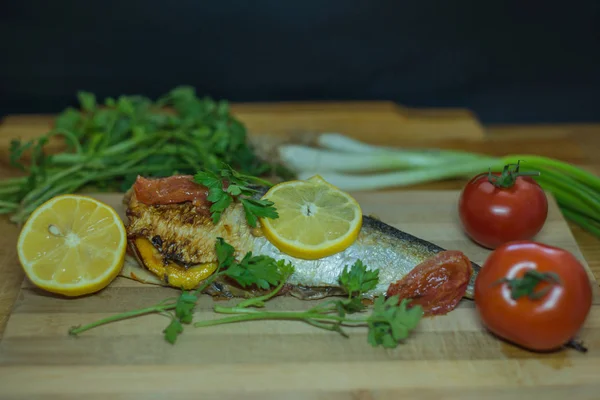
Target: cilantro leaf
[
  {"x": 173, "y": 330},
  {"x": 358, "y": 279},
  {"x": 391, "y": 322},
  {"x": 262, "y": 271}
]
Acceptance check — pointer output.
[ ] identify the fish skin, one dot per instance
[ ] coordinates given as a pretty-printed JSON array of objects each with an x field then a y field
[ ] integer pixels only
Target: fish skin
[
  {"x": 188, "y": 238},
  {"x": 379, "y": 246}
]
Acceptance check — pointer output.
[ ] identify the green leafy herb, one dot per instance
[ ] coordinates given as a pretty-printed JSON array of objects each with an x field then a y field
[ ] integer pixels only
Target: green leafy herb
[
  {"x": 108, "y": 145},
  {"x": 261, "y": 271},
  {"x": 392, "y": 322},
  {"x": 184, "y": 308},
  {"x": 358, "y": 279},
  {"x": 389, "y": 323},
  {"x": 173, "y": 330},
  {"x": 228, "y": 185}
]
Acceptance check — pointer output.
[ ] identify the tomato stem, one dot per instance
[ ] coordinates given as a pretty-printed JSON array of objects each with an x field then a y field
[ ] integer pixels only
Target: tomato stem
[
  {"x": 526, "y": 286},
  {"x": 508, "y": 176},
  {"x": 576, "y": 345}
]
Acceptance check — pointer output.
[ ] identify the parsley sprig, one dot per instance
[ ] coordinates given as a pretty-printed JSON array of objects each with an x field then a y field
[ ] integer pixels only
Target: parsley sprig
[
  {"x": 261, "y": 271},
  {"x": 239, "y": 187},
  {"x": 390, "y": 321}
]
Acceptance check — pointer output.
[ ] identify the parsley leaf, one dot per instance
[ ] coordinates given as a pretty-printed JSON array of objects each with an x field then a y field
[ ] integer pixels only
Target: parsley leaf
[
  {"x": 221, "y": 202},
  {"x": 225, "y": 253},
  {"x": 262, "y": 271},
  {"x": 173, "y": 330},
  {"x": 208, "y": 179},
  {"x": 349, "y": 306},
  {"x": 358, "y": 279},
  {"x": 258, "y": 208},
  {"x": 391, "y": 322},
  {"x": 184, "y": 308},
  {"x": 238, "y": 188}
]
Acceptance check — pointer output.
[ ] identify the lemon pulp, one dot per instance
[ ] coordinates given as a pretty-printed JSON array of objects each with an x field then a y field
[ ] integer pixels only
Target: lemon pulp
[{"x": 72, "y": 245}]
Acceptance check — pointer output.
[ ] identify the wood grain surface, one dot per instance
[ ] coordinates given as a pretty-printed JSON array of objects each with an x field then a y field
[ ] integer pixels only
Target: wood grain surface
[
  {"x": 447, "y": 357},
  {"x": 465, "y": 364}
]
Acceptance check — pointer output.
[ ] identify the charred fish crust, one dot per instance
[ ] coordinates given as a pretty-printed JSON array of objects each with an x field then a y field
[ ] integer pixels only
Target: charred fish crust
[
  {"x": 157, "y": 242},
  {"x": 187, "y": 236},
  {"x": 315, "y": 292}
]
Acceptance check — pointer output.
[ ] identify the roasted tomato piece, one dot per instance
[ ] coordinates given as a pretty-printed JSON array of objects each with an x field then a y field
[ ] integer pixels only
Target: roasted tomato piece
[
  {"x": 169, "y": 190},
  {"x": 437, "y": 284}
]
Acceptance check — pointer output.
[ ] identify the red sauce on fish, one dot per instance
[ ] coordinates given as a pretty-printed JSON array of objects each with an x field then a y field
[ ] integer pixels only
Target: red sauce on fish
[{"x": 437, "y": 284}]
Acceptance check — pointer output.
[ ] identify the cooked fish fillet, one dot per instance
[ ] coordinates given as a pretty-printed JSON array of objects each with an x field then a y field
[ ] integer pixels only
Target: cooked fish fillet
[{"x": 184, "y": 235}]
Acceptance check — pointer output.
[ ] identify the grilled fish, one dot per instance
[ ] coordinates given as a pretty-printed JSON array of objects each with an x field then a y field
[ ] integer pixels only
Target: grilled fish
[{"x": 175, "y": 241}]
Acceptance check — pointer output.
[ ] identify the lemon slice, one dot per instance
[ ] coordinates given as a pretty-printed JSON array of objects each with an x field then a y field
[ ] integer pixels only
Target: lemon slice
[
  {"x": 72, "y": 245},
  {"x": 316, "y": 219}
]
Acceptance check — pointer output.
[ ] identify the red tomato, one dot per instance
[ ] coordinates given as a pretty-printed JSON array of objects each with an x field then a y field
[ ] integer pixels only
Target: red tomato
[
  {"x": 492, "y": 215},
  {"x": 555, "y": 295}
]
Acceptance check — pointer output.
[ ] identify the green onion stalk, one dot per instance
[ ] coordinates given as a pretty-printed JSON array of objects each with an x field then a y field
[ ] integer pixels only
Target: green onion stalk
[{"x": 356, "y": 166}]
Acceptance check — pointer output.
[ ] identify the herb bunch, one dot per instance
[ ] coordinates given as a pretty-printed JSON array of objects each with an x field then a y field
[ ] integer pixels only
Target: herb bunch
[
  {"x": 239, "y": 187},
  {"x": 109, "y": 144},
  {"x": 390, "y": 321}
]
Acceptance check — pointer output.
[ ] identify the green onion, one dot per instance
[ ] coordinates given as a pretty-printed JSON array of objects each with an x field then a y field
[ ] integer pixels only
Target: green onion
[
  {"x": 305, "y": 158},
  {"x": 355, "y": 166}
]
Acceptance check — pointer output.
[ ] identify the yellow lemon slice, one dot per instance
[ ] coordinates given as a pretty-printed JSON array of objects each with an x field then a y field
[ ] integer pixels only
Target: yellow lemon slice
[
  {"x": 72, "y": 245},
  {"x": 316, "y": 219}
]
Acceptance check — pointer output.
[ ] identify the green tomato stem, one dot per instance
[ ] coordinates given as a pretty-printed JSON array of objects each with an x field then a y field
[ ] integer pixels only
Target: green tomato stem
[
  {"x": 528, "y": 284},
  {"x": 508, "y": 177},
  {"x": 577, "y": 173}
]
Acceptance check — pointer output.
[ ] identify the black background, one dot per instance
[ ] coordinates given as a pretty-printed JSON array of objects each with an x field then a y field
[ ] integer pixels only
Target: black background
[{"x": 509, "y": 61}]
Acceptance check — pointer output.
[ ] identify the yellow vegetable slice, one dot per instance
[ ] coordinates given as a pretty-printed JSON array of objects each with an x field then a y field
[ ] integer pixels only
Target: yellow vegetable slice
[
  {"x": 169, "y": 272},
  {"x": 72, "y": 245},
  {"x": 316, "y": 219}
]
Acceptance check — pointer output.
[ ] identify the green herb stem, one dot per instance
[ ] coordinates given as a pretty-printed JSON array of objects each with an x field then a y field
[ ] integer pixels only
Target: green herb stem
[
  {"x": 159, "y": 308},
  {"x": 47, "y": 185},
  {"x": 9, "y": 205},
  {"x": 9, "y": 190},
  {"x": 253, "y": 315},
  {"x": 13, "y": 182}
]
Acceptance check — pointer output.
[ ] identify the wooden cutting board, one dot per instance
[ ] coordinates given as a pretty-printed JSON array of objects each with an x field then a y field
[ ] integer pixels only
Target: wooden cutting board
[{"x": 448, "y": 357}]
